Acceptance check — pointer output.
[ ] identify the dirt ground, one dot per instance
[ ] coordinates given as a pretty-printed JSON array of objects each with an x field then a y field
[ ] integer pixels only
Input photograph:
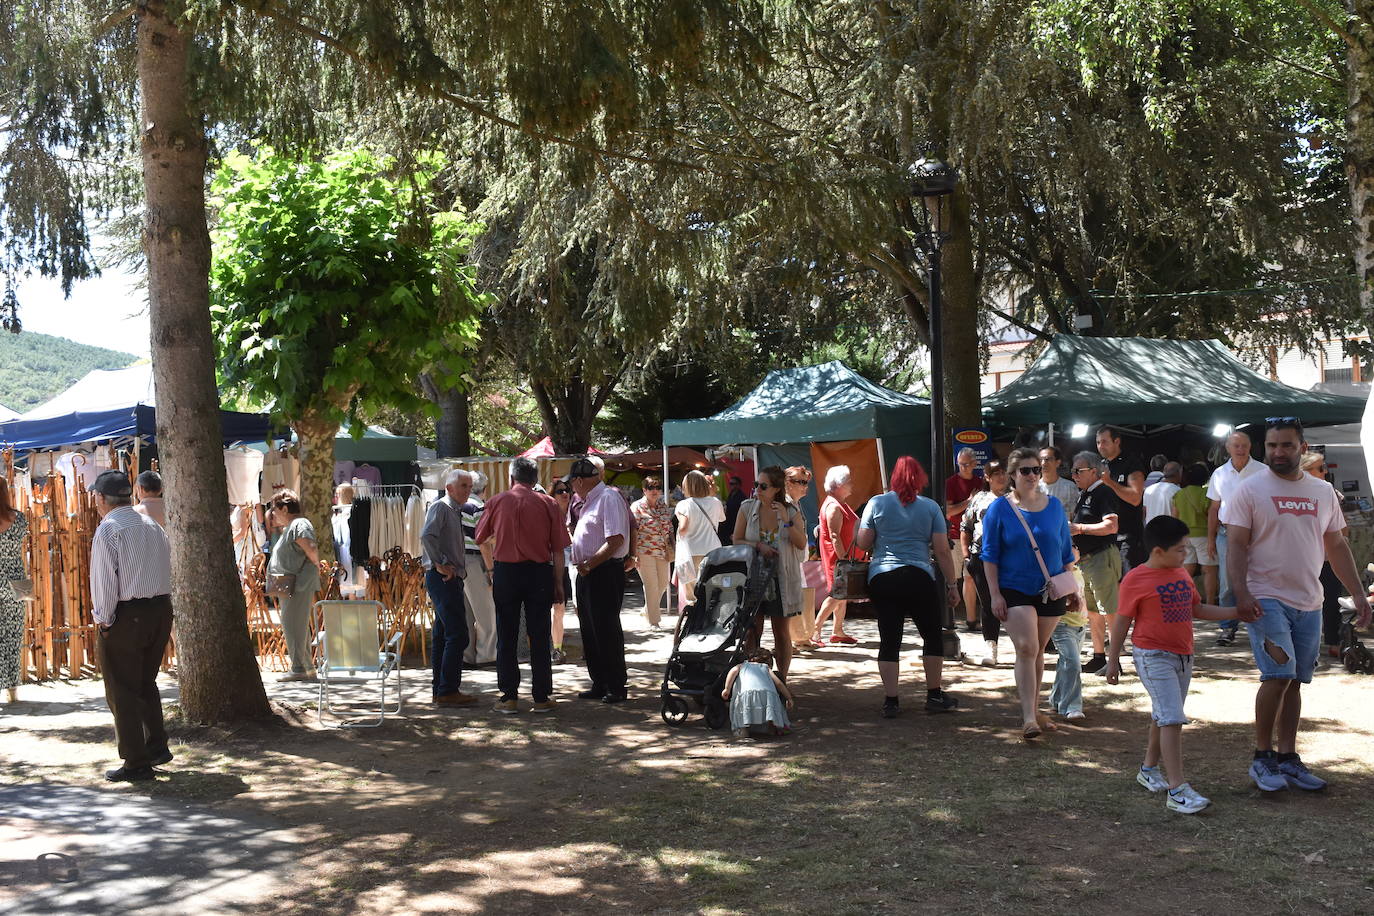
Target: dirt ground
[{"x": 598, "y": 808}]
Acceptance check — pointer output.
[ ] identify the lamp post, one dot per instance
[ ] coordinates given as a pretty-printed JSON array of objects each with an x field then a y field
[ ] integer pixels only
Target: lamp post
[{"x": 932, "y": 181}]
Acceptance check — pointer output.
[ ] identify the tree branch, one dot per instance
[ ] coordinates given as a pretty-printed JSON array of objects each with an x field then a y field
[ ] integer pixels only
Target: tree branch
[{"x": 1029, "y": 329}]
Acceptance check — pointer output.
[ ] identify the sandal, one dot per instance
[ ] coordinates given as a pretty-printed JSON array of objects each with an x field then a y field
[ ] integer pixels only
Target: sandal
[
  {"x": 1031, "y": 731},
  {"x": 844, "y": 639}
]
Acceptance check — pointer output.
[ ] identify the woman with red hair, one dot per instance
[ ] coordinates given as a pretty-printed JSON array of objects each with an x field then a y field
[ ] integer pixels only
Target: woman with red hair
[{"x": 904, "y": 531}]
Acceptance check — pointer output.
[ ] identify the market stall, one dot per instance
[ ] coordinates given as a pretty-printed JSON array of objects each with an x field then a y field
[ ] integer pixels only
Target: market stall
[{"x": 817, "y": 417}]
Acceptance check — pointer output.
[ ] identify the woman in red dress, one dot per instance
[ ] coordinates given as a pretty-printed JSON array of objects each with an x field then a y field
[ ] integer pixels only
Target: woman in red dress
[{"x": 836, "y": 540}]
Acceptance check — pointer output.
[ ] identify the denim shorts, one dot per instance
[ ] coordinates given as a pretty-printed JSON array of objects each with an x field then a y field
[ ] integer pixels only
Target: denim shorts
[
  {"x": 1165, "y": 677},
  {"x": 1295, "y": 635}
]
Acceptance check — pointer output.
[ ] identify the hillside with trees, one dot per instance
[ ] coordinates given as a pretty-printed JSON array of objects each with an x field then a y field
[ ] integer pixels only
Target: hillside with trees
[{"x": 35, "y": 367}]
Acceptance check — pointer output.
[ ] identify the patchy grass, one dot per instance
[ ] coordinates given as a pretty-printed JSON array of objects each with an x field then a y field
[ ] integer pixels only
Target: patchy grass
[{"x": 595, "y": 808}]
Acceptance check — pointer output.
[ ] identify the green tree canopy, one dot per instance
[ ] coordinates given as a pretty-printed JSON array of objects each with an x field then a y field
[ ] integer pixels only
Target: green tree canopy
[{"x": 333, "y": 285}]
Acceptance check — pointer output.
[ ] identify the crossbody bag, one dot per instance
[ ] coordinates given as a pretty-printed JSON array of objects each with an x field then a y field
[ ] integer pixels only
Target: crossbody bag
[{"x": 1058, "y": 586}]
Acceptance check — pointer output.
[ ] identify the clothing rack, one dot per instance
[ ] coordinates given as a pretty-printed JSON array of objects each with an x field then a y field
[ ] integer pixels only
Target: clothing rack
[{"x": 366, "y": 490}]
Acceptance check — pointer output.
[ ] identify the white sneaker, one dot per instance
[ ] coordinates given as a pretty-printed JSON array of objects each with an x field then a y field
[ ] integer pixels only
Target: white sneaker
[
  {"x": 1152, "y": 778},
  {"x": 989, "y": 659},
  {"x": 1185, "y": 800}
]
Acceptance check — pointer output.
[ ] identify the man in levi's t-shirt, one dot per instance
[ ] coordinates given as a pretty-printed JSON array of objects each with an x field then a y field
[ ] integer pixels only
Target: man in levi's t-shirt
[
  {"x": 1280, "y": 526},
  {"x": 1159, "y": 596}
]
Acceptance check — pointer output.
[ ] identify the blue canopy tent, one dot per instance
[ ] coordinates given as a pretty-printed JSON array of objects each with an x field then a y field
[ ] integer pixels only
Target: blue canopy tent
[{"x": 138, "y": 420}]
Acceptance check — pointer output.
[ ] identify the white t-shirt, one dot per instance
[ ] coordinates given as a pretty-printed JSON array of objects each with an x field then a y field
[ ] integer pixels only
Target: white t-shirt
[
  {"x": 1225, "y": 478},
  {"x": 1287, "y": 520},
  {"x": 701, "y": 537},
  {"x": 1159, "y": 499},
  {"x": 241, "y": 469}
]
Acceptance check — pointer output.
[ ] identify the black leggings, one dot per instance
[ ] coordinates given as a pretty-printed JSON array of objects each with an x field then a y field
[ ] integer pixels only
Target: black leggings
[
  {"x": 992, "y": 627},
  {"x": 897, "y": 594}
]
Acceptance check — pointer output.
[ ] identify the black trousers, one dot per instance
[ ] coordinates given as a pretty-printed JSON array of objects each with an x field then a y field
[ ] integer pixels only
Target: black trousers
[
  {"x": 599, "y": 596},
  {"x": 130, "y": 655},
  {"x": 523, "y": 588},
  {"x": 1332, "y": 590},
  {"x": 992, "y": 627}
]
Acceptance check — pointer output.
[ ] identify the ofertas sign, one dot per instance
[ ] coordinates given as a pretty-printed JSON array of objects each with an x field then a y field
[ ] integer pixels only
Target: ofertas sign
[{"x": 976, "y": 438}]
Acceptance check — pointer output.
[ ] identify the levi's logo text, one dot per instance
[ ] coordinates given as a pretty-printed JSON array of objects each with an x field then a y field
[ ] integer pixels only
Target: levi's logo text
[
  {"x": 1176, "y": 601},
  {"x": 1295, "y": 505}
]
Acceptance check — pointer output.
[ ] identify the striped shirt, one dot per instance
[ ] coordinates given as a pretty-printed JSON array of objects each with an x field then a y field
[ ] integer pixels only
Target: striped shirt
[{"x": 130, "y": 558}]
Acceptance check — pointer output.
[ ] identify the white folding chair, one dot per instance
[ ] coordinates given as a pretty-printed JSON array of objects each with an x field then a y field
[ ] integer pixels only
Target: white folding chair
[{"x": 351, "y": 652}]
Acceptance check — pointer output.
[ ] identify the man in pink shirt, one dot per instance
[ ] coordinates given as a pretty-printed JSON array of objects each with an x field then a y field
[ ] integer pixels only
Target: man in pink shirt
[
  {"x": 600, "y": 543},
  {"x": 527, "y": 574},
  {"x": 1280, "y": 526}
]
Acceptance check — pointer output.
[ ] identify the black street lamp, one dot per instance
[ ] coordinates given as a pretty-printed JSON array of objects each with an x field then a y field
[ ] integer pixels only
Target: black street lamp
[{"x": 932, "y": 182}]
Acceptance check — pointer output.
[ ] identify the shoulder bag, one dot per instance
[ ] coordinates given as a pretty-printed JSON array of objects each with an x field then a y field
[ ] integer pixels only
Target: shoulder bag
[
  {"x": 851, "y": 578},
  {"x": 1058, "y": 586},
  {"x": 281, "y": 585}
]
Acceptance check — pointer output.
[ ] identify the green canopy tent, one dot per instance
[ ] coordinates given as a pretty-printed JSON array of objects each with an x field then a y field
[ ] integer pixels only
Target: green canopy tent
[
  {"x": 1133, "y": 381},
  {"x": 814, "y": 404}
]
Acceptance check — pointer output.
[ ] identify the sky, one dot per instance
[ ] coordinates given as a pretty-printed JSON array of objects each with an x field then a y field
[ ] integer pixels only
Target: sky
[{"x": 108, "y": 311}]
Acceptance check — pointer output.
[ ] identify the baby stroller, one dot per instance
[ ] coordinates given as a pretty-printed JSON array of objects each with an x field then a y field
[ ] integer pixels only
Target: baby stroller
[
  {"x": 1356, "y": 658},
  {"x": 711, "y": 631}
]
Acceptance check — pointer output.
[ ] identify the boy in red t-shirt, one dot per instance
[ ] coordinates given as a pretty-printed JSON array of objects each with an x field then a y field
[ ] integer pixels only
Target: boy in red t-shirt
[{"x": 1160, "y": 598}]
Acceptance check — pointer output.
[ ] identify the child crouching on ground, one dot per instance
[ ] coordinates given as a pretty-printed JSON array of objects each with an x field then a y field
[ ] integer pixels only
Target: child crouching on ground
[
  {"x": 1160, "y": 598},
  {"x": 757, "y": 696}
]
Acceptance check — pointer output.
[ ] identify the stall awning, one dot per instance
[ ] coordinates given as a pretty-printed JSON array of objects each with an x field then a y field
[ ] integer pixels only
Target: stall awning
[
  {"x": 97, "y": 426},
  {"x": 1133, "y": 381},
  {"x": 826, "y": 403}
]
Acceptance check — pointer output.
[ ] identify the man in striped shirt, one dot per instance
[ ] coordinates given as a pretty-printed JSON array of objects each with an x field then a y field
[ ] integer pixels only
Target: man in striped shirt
[{"x": 131, "y": 584}]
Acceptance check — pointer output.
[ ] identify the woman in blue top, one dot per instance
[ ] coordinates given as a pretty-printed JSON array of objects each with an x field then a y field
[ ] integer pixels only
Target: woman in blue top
[
  {"x": 1015, "y": 579},
  {"x": 903, "y": 530}
]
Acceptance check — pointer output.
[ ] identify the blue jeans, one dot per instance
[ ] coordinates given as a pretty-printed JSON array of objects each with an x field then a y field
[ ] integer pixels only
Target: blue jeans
[
  {"x": 1165, "y": 677},
  {"x": 528, "y": 587},
  {"x": 1225, "y": 596},
  {"x": 1066, "y": 695},
  {"x": 450, "y": 637},
  {"x": 1296, "y": 636}
]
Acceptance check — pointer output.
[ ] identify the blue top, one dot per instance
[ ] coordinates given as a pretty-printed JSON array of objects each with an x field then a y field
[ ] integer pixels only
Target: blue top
[
  {"x": 903, "y": 533},
  {"x": 1005, "y": 543}
]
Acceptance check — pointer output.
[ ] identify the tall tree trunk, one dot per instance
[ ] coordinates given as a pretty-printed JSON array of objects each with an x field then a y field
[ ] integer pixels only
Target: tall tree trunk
[
  {"x": 963, "y": 378},
  {"x": 219, "y": 676},
  {"x": 567, "y": 412},
  {"x": 1360, "y": 152},
  {"x": 453, "y": 429},
  {"x": 317, "y": 436}
]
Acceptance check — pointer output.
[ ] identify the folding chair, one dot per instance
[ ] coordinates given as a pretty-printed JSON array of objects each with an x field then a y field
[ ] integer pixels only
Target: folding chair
[{"x": 351, "y": 650}]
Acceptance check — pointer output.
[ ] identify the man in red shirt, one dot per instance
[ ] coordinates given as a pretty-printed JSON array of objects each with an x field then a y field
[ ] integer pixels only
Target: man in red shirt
[
  {"x": 959, "y": 490},
  {"x": 527, "y": 574}
]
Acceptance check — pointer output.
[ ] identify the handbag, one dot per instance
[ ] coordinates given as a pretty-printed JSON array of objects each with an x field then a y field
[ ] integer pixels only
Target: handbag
[
  {"x": 281, "y": 585},
  {"x": 1056, "y": 586},
  {"x": 851, "y": 579}
]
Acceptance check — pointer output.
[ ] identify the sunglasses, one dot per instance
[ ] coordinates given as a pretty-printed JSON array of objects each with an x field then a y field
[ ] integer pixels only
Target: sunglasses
[
  {"x": 1284, "y": 420},
  {"x": 762, "y": 485},
  {"x": 1081, "y": 470},
  {"x": 561, "y": 492},
  {"x": 1028, "y": 470},
  {"x": 653, "y": 486},
  {"x": 798, "y": 482}
]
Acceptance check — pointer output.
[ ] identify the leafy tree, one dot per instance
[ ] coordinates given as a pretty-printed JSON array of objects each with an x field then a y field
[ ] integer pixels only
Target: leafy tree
[{"x": 334, "y": 284}]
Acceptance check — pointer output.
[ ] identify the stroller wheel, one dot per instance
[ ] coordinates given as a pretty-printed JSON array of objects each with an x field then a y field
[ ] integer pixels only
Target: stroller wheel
[
  {"x": 717, "y": 716},
  {"x": 1366, "y": 659},
  {"x": 675, "y": 710},
  {"x": 1352, "y": 661}
]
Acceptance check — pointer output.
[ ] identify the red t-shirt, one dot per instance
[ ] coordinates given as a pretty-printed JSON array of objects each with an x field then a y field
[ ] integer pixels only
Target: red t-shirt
[
  {"x": 1162, "y": 602},
  {"x": 957, "y": 489},
  {"x": 527, "y": 526}
]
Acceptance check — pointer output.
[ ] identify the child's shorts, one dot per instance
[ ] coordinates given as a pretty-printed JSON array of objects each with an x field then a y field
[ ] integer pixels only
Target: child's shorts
[
  {"x": 1165, "y": 676},
  {"x": 1296, "y": 636}
]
